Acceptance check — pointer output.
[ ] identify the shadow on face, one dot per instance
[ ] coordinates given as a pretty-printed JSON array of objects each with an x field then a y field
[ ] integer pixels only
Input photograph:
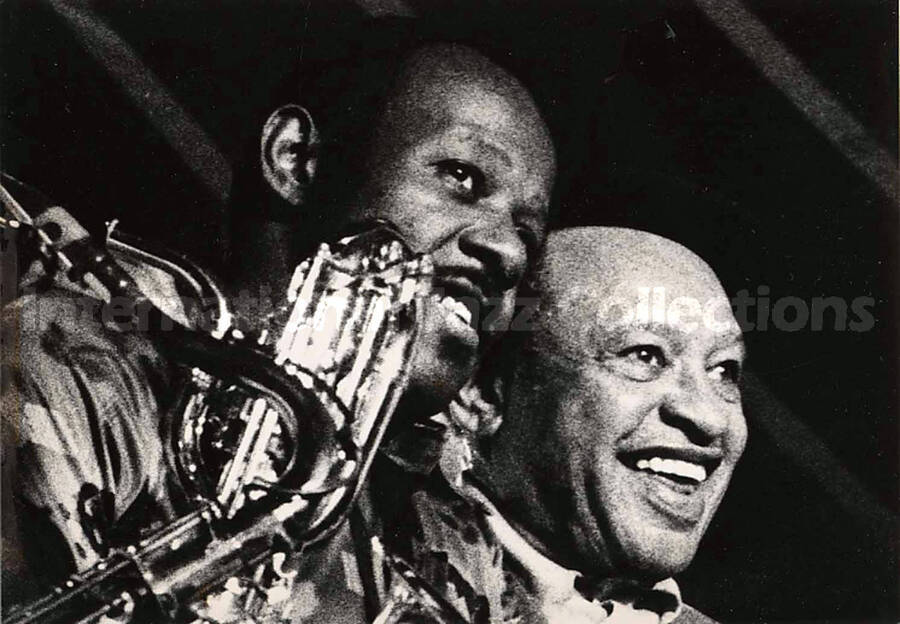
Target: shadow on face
[{"x": 462, "y": 163}]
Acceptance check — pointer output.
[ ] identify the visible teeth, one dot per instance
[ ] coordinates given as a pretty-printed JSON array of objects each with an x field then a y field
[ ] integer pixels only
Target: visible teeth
[
  {"x": 456, "y": 307},
  {"x": 676, "y": 467}
]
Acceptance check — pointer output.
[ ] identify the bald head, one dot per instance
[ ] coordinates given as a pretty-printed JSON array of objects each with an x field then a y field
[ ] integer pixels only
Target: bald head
[
  {"x": 624, "y": 421},
  {"x": 442, "y": 85},
  {"x": 599, "y": 278},
  {"x": 439, "y": 78},
  {"x": 602, "y": 256}
]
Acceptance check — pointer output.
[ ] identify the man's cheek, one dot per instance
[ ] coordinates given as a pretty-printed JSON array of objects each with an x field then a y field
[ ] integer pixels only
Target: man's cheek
[
  {"x": 582, "y": 435},
  {"x": 413, "y": 210},
  {"x": 425, "y": 219},
  {"x": 623, "y": 402},
  {"x": 570, "y": 459},
  {"x": 738, "y": 433}
]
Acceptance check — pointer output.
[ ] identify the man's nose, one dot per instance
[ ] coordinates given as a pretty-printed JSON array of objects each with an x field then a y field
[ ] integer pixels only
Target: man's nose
[
  {"x": 690, "y": 406},
  {"x": 496, "y": 244}
]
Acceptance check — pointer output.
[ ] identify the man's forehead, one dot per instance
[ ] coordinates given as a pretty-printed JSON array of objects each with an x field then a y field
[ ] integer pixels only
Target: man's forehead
[
  {"x": 454, "y": 94},
  {"x": 459, "y": 79},
  {"x": 614, "y": 278},
  {"x": 633, "y": 304},
  {"x": 601, "y": 262}
]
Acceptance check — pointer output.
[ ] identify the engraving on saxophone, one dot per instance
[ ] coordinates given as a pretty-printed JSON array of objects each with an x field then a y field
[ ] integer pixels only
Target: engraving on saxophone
[{"x": 345, "y": 339}]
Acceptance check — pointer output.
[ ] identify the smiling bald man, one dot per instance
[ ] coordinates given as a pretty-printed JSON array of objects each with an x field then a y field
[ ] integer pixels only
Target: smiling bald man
[
  {"x": 624, "y": 418},
  {"x": 621, "y": 429}
]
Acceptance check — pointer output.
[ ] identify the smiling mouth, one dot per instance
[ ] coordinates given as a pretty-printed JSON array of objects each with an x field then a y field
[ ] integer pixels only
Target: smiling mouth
[
  {"x": 461, "y": 296},
  {"x": 671, "y": 480},
  {"x": 456, "y": 309},
  {"x": 684, "y": 470}
]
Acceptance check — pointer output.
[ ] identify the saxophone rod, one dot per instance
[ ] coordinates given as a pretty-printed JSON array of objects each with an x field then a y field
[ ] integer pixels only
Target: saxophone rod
[
  {"x": 18, "y": 213},
  {"x": 20, "y": 216}
]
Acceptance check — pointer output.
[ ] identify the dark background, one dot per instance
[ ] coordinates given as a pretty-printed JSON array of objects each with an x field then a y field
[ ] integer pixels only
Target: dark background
[{"x": 663, "y": 124}]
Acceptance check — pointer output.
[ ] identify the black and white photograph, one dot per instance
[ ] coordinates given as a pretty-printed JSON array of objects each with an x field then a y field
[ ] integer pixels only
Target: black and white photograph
[{"x": 449, "y": 311}]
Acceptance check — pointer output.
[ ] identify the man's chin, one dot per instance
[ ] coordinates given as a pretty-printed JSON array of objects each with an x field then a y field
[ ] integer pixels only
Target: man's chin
[
  {"x": 657, "y": 554},
  {"x": 444, "y": 361},
  {"x": 433, "y": 384}
]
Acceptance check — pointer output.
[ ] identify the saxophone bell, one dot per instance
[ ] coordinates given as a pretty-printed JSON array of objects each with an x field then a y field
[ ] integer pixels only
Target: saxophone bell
[{"x": 341, "y": 347}]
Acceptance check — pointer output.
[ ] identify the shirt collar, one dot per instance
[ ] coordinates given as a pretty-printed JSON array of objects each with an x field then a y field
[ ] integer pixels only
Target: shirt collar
[{"x": 557, "y": 585}]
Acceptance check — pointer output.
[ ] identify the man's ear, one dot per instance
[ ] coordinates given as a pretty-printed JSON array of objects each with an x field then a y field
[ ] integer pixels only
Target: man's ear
[{"x": 289, "y": 152}]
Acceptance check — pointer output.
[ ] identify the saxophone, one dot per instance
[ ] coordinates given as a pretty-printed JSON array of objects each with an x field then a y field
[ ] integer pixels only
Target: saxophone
[{"x": 275, "y": 430}]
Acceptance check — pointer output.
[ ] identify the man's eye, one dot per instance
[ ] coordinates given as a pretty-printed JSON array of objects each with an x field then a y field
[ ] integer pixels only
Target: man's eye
[
  {"x": 640, "y": 363},
  {"x": 463, "y": 179},
  {"x": 726, "y": 378}
]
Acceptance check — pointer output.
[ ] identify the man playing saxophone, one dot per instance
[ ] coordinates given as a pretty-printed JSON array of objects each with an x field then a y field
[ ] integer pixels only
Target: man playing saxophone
[{"x": 434, "y": 137}]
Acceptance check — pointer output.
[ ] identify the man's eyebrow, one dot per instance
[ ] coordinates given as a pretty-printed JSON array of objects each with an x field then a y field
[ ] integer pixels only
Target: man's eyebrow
[
  {"x": 724, "y": 341},
  {"x": 474, "y": 133},
  {"x": 606, "y": 337},
  {"x": 495, "y": 150},
  {"x": 654, "y": 328}
]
